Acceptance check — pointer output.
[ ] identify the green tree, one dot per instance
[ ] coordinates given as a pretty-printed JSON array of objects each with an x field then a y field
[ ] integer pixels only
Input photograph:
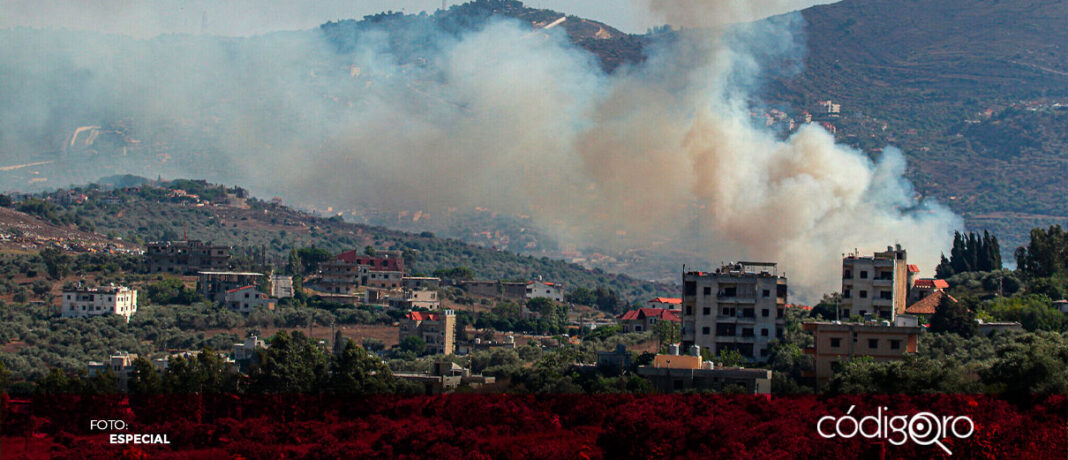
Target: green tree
[
  {"x": 667, "y": 332},
  {"x": 730, "y": 358},
  {"x": 5, "y": 377},
  {"x": 413, "y": 344},
  {"x": 1034, "y": 312},
  {"x": 145, "y": 378},
  {"x": 57, "y": 264},
  {"x": 292, "y": 364},
  {"x": 953, "y": 317},
  {"x": 354, "y": 371}
]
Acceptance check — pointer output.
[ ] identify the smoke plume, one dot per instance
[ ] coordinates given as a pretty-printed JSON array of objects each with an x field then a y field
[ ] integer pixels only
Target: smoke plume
[{"x": 407, "y": 115}]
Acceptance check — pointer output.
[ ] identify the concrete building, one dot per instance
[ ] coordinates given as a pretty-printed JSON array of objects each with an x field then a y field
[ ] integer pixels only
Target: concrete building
[
  {"x": 408, "y": 300},
  {"x": 281, "y": 286},
  {"x": 121, "y": 364},
  {"x": 645, "y": 319},
  {"x": 437, "y": 329},
  {"x": 186, "y": 257},
  {"x": 738, "y": 307},
  {"x": 245, "y": 299},
  {"x": 420, "y": 282},
  {"x": 213, "y": 285},
  {"x": 988, "y": 329},
  {"x": 536, "y": 289},
  {"x": 112, "y": 300},
  {"x": 514, "y": 290},
  {"x": 484, "y": 288},
  {"x": 876, "y": 286},
  {"x": 1061, "y": 305},
  {"x": 670, "y": 373},
  {"x": 835, "y": 341}
]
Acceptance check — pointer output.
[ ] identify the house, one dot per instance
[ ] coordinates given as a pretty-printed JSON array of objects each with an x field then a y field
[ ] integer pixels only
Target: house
[
  {"x": 924, "y": 287},
  {"x": 738, "y": 307},
  {"x": 876, "y": 285},
  {"x": 618, "y": 359},
  {"x": 645, "y": 319},
  {"x": 988, "y": 329},
  {"x": 350, "y": 270},
  {"x": 186, "y": 257},
  {"x": 667, "y": 303},
  {"x": 437, "y": 329},
  {"x": 245, "y": 299},
  {"x": 484, "y": 288},
  {"x": 1061, "y": 305},
  {"x": 538, "y": 289},
  {"x": 111, "y": 300},
  {"x": 214, "y": 285},
  {"x": 674, "y": 372},
  {"x": 836, "y": 341}
]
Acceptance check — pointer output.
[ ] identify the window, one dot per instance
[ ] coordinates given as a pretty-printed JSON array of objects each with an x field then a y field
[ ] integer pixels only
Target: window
[
  {"x": 847, "y": 274},
  {"x": 836, "y": 342},
  {"x": 690, "y": 288},
  {"x": 863, "y": 274},
  {"x": 707, "y": 311},
  {"x": 765, "y": 313},
  {"x": 748, "y": 313},
  {"x": 895, "y": 344},
  {"x": 767, "y": 293},
  {"x": 764, "y": 332},
  {"x": 845, "y": 293},
  {"x": 689, "y": 310},
  {"x": 747, "y": 332},
  {"x": 705, "y": 330},
  {"x": 863, "y": 294},
  {"x": 887, "y": 295},
  {"x": 845, "y": 313},
  {"x": 873, "y": 343},
  {"x": 708, "y": 290}
]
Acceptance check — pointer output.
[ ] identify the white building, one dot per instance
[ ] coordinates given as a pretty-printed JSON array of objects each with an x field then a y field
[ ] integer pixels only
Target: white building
[
  {"x": 551, "y": 291},
  {"x": 112, "y": 300},
  {"x": 408, "y": 300},
  {"x": 877, "y": 286},
  {"x": 737, "y": 307},
  {"x": 247, "y": 350},
  {"x": 121, "y": 364},
  {"x": 247, "y": 298}
]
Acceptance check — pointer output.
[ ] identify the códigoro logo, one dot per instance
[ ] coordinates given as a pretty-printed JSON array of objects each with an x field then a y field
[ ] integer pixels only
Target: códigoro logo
[{"x": 923, "y": 428}]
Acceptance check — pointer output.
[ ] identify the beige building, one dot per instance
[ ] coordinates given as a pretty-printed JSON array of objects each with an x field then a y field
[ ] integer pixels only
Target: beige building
[
  {"x": 408, "y": 300},
  {"x": 420, "y": 282},
  {"x": 112, "y": 300},
  {"x": 281, "y": 286},
  {"x": 835, "y": 341},
  {"x": 437, "y": 329},
  {"x": 120, "y": 363},
  {"x": 876, "y": 286},
  {"x": 737, "y": 307}
]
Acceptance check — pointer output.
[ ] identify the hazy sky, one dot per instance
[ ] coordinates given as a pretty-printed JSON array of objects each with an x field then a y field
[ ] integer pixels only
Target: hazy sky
[{"x": 145, "y": 18}]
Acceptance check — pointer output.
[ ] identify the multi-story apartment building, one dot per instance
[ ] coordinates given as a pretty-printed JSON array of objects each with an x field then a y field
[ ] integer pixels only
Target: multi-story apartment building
[
  {"x": 186, "y": 257},
  {"x": 350, "y": 270},
  {"x": 834, "y": 341},
  {"x": 876, "y": 286},
  {"x": 111, "y": 300},
  {"x": 737, "y": 307},
  {"x": 409, "y": 299},
  {"x": 437, "y": 329}
]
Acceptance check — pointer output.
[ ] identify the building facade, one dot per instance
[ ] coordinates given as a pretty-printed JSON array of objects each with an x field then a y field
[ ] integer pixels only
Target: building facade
[
  {"x": 416, "y": 299},
  {"x": 536, "y": 289},
  {"x": 245, "y": 299},
  {"x": 738, "y": 307},
  {"x": 186, "y": 257},
  {"x": 876, "y": 286},
  {"x": 213, "y": 285},
  {"x": 281, "y": 286},
  {"x": 113, "y": 300},
  {"x": 836, "y": 341},
  {"x": 645, "y": 319},
  {"x": 670, "y": 373},
  {"x": 437, "y": 329}
]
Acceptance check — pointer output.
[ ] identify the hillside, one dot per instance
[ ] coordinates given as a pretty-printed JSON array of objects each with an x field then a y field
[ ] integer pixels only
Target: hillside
[
  {"x": 198, "y": 210},
  {"x": 973, "y": 91}
]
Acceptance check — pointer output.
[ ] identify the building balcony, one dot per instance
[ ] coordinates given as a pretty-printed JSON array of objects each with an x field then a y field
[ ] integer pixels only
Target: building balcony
[{"x": 884, "y": 282}]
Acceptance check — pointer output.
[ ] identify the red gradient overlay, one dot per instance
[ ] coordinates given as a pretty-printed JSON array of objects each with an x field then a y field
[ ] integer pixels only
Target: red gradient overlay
[{"x": 515, "y": 426}]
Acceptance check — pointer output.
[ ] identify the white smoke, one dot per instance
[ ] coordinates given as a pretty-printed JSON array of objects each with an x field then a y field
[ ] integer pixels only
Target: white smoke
[{"x": 501, "y": 117}]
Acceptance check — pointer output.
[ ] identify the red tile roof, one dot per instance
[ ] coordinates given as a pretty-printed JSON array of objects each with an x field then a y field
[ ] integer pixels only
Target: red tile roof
[
  {"x": 913, "y": 269},
  {"x": 422, "y": 316},
  {"x": 667, "y": 300},
  {"x": 928, "y": 305},
  {"x": 803, "y": 307},
  {"x": 643, "y": 313}
]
